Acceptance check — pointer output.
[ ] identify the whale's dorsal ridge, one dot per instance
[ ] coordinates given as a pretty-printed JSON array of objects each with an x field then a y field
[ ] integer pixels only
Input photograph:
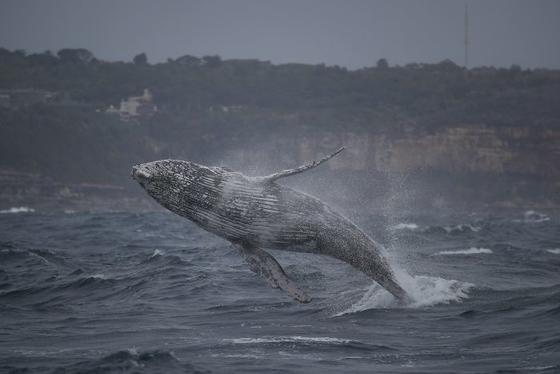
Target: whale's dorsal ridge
[{"x": 286, "y": 173}]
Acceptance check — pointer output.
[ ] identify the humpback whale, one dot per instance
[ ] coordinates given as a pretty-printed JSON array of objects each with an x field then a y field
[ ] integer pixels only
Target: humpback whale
[{"x": 257, "y": 213}]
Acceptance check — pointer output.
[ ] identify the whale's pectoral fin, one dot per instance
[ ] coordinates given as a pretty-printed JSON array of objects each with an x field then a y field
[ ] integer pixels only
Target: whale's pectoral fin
[
  {"x": 301, "y": 169},
  {"x": 265, "y": 265}
]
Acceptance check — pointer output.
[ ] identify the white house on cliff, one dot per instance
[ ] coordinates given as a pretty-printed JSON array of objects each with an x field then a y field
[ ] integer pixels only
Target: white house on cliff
[{"x": 135, "y": 106}]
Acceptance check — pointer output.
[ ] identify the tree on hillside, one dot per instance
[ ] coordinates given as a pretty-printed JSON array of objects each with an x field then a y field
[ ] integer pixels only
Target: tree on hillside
[
  {"x": 45, "y": 58},
  {"x": 212, "y": 61},
  {"x": 76, "y": 55},
  {"x": 188, "y": 60},
  {"x": 140, "y": 59},
  {"x": 382, "y": 63}
]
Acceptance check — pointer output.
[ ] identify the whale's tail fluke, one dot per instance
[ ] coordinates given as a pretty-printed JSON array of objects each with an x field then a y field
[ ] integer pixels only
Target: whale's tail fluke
[
  {"x": 384, "y": 275},
  {"x": 349, "y": 244},
  {"x": 396, "y": 290}
]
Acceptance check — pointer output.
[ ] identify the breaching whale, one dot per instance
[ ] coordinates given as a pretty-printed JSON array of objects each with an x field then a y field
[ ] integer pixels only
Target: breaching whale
[{"x": 256, "y": 213}]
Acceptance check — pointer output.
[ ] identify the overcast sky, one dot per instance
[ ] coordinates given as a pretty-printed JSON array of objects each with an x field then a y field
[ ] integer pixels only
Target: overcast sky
[{"x": 351, "y": 33}]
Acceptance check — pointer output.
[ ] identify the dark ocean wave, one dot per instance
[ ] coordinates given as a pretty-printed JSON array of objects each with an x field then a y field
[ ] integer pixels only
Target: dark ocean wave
[
  {"x": 485, "y": 291},
  {"x": 128, "y": 361}
]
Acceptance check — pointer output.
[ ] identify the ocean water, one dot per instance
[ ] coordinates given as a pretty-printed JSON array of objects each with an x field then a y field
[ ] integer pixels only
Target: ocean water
[{"x": 152, "y": 293}]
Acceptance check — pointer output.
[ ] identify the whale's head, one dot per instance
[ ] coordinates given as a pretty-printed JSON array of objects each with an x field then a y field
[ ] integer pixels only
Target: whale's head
[
  {"x": 177, "y": 185},
  {"x": 157, "y": 177}
]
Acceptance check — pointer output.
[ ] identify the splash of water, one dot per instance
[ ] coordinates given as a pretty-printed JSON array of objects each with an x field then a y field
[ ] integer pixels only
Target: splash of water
[{"x": 425, "y": 291}]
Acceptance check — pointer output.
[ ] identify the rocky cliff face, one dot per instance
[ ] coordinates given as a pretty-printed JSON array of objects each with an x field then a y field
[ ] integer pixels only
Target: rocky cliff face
[
  {"x": 455, "y": 149},
  {"x": 460, "y": 149},
  {"x": 508, "y": 166}
]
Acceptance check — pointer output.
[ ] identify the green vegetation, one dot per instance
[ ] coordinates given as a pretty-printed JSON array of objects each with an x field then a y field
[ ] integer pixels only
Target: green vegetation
[{"x": 190, "y": 84}]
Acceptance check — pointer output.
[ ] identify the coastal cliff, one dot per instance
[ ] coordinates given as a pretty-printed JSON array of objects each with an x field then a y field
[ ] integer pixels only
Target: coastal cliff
[
  {"x": 453, "y": 149},
  {"x": 444, "y": 133}
]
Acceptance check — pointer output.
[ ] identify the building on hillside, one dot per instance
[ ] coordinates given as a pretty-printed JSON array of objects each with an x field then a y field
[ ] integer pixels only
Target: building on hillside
[
  {"x": 227, "y": 108},
  {"x": 135, "y": 106},
  {"x": 16, "y": 98}
]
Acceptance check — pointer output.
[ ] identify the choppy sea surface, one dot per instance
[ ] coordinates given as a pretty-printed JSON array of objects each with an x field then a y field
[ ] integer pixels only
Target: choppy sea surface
[{"x": 153, "y": 293}]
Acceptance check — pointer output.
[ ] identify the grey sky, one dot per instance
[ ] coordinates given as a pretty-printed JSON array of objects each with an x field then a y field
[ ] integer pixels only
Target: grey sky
[{"x": 352, "y": 33}]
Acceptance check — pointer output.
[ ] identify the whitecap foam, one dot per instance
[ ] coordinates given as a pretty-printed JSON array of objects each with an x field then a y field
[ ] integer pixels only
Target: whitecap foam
[
  {"x": 405, "y": 226},
  {"x": 288, "y": 339},
  {"x": 554, "y": 251},
  {"x": 424, "y": 291},
  {"x": 157, "y": 253},
  {"x": 17, "y": 209},
  {"x": 133, "y": 351},
  {"x": 39, "y": 257},
  {"x": 237, "y": 355},
  {"x": 532, "y": 216},
  {"x": 461, "y": 227},
  {"x": 98, "y": 276},
  {"x": 470, "y": 251}
]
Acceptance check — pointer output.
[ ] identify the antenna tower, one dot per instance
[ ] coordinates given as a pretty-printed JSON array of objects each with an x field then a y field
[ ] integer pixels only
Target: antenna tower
[{"x": 467, "y": 41}]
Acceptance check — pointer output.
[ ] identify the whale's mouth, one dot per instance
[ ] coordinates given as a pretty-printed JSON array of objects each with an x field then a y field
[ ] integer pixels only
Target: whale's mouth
[{"x": 140, "y": 174}]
